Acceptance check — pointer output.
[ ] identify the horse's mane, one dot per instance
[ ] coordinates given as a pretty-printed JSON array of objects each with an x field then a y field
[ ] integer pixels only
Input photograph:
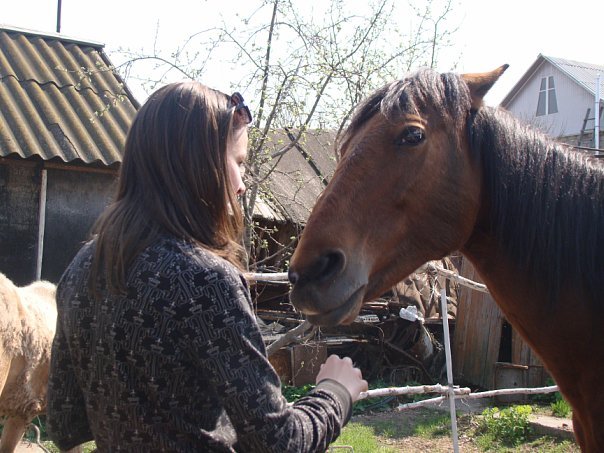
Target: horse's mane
[
  {"x": 547, "y": 202},
  {"x": 425, "y": 89}
]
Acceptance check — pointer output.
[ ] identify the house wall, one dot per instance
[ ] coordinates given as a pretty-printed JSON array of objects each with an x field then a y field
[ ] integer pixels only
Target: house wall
[
  {"x": 572, "y": 99},
  {"x": 73, "y": 202}
]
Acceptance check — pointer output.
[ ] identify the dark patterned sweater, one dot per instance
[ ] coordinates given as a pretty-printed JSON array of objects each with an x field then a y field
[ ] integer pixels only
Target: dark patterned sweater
[{"x": 176, "y": 364}]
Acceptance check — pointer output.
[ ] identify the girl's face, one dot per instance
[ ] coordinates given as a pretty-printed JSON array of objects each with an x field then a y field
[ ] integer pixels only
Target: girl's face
[{"x": 236, "y": 155}]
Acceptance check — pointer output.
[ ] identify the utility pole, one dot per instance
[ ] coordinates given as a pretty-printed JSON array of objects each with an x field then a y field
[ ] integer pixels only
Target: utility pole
[
  {"x": 59, "y": 16},
  {"x": 597, "y": 115}
]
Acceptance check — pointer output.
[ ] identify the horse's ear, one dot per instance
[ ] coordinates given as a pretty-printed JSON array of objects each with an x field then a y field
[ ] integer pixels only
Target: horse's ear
[{"x": 481, "y": 83}]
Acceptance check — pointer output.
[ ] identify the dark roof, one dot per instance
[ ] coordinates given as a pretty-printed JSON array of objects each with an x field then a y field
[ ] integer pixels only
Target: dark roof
[
  {"x": 61, "y": 99},
  {"x": 296, "y": 174},
  {"x": 583, "y": 74}
]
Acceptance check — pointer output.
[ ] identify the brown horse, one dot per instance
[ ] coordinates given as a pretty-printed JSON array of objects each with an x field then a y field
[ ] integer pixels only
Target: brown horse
[{"x": 426, "y": 170}]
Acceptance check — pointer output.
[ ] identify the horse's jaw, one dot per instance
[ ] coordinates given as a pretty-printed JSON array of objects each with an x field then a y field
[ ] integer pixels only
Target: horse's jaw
[
  {"x": 344, "y": 314},
  {"x": 328, "y": 300},
  {"x": 339, "y": 300}
]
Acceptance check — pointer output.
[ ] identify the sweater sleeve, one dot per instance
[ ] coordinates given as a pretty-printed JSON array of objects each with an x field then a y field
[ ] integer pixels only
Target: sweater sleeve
[
  {"x": 67, "y": 422},
  {"x": 227, "y": 346}
]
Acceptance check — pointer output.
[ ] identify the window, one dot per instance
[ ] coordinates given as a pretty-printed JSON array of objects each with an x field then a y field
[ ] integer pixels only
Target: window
[{"x": 547, "y": 104}]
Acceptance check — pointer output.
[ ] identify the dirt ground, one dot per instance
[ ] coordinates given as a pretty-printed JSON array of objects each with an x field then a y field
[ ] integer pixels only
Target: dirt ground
[
  {"x": 403, "y": 438},
  {"x": 396, "y": 429}
]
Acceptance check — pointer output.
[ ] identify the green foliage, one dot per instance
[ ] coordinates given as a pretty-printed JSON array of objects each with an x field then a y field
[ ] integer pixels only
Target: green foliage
[
  {"x": 509, "y": 426},
  {"x": 88, "y": 447},
  {"x": 556, "y": 402},
  {"x": 560, "y": 408},
  {"x": 292, "y": 393},
  {"x": 372, "y": 404},
  {"x": 545, "y": 398},
  {"x": 439, "y": 425},
  {"x": 362, "y": 439}
]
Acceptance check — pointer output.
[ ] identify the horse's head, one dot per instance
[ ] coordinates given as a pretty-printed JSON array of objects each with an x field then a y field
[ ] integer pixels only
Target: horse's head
[{"x": 406, "y": 190}]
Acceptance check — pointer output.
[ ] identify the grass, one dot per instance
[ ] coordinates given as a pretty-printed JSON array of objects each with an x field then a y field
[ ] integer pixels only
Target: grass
[
  {"x": 362, "y": 439},
  {"x": 437, "y": 425},
  {"x": 88, "y": 447},
  {"x": 543, "y": 444},
  {"x": 560, "y": 408}
]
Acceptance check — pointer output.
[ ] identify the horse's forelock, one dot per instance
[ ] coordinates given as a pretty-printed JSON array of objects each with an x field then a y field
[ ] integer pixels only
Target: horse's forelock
[{"x": 425, "y": 89}]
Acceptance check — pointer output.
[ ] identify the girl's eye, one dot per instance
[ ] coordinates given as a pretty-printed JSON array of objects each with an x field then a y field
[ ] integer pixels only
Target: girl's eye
[{"x": 411, "y": 136}]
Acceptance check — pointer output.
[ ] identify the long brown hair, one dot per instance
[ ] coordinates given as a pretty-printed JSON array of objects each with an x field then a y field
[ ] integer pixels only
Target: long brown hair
[{"x": 173, "y": 179}]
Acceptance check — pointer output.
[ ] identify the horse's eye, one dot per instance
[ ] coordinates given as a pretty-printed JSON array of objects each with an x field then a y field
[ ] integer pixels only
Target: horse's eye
[{"x": 411, "y": 135}]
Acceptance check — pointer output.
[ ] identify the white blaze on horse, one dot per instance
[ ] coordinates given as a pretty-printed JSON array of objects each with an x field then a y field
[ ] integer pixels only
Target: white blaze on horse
[{"x": 27, "y": 327}]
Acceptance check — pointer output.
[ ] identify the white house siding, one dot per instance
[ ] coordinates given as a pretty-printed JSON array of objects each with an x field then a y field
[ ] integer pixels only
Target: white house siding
[{"x": 572, "y": 99}]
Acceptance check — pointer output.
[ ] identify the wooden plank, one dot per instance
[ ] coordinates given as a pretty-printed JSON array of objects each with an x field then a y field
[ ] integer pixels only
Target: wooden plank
[{"x": 477, "y": 333}]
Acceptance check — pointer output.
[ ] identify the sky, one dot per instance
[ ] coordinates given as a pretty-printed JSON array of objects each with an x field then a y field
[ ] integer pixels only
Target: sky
[{"x": 490, "y": 33}]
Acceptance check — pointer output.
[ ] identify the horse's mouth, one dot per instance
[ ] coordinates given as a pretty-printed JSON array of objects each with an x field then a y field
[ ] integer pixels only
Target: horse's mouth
[{"x": 344, "y": 314}]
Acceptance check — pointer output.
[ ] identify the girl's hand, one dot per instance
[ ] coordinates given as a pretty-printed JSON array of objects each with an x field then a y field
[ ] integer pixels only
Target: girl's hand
[{"x": 343, "y": 371}]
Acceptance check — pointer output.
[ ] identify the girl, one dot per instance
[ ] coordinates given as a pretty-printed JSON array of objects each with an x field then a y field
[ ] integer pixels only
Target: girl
[{"x": 157, "y": 347}]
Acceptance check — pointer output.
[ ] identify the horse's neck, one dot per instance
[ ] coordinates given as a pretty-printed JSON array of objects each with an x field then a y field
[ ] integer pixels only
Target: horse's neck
[
  {"x": 522, "y": 303},
  {"x": 542, "y": 205}
]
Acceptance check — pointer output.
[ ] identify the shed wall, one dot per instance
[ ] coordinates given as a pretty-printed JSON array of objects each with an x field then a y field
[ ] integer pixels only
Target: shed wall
[
  {"x": 477, "y": 334},
  {"x": 19, "y": 198},
  {"x": 74, "y": 201}
]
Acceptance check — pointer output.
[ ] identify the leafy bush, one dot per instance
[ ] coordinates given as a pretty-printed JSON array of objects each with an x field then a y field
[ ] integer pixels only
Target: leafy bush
[
  {"x": 545, "y": 398},
  {"x": 510, "y": 425},
  {"x": 292, "y": 393},
  {"x": 560, "y": 408}
]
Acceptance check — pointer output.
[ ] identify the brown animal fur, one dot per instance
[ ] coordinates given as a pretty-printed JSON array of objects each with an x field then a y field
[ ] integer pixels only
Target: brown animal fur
[{"x": 27, "y": 328}]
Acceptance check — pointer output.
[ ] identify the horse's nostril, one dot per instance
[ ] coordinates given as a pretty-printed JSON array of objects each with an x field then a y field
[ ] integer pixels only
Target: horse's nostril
[
  {"x": 329, "y": 265},
  {"x": 293, "y": 277},
  {"x": 322, "y": 269}
]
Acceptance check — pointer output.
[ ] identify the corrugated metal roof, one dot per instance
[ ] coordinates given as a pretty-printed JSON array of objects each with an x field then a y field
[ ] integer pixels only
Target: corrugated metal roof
[
  {"x": 296, "y": 178},
  {"x": 584, "y": 74},
  {"x": 60, "y": 99}
]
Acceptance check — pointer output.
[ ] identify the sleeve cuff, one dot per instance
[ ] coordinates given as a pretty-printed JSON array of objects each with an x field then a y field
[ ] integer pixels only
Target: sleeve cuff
[{"x": 342, "y": 394}]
